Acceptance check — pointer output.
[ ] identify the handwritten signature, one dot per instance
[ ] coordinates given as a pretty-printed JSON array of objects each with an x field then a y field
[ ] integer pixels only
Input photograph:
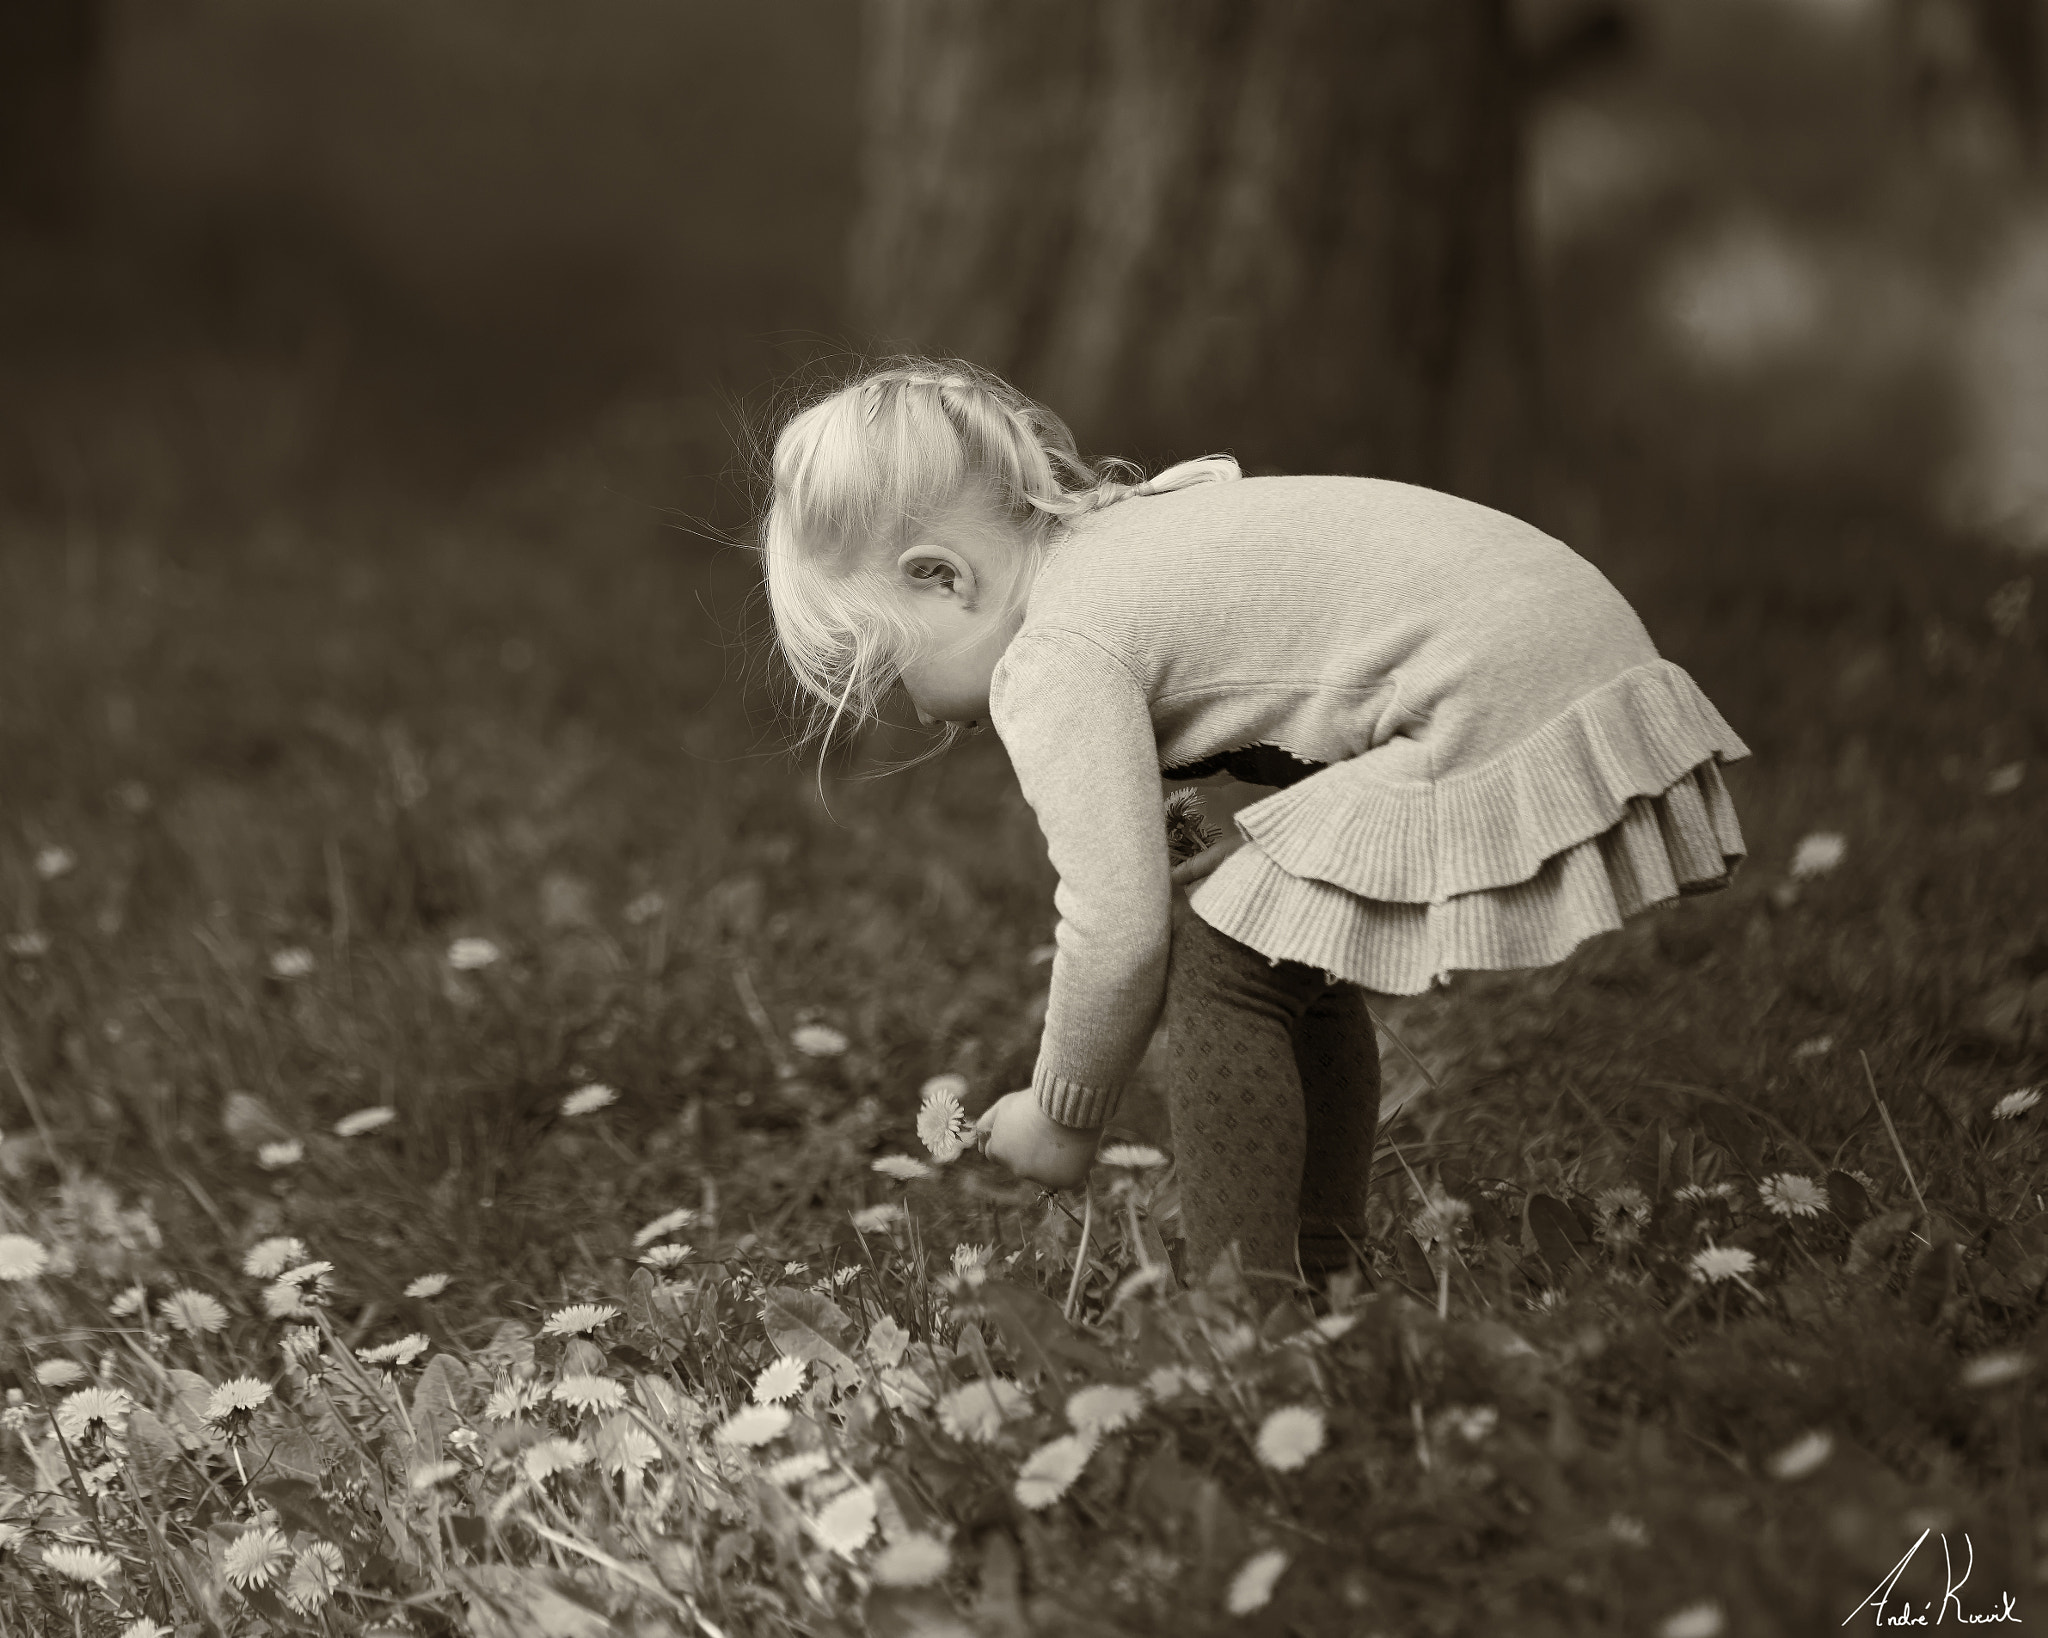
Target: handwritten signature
[{"x": 1932, "y": 1614}]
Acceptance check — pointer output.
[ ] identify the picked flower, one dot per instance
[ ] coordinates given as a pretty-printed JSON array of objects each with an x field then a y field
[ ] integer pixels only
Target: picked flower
[
  {"x": 22, "y": 1258},
  {"x": 667, "y": 1223},
  {"x": 584, "y": 1392},
  {"x": 1817, "y": 854},
  {"x": 87, "y": 1566},
  {"x": 1103, "y": 1407},
  {"x": 2015, "y": 1104},
  {"x": 1791, "y": 1195},
  {"x": 316, "y": 1572},
  {"x": 1049, "y": 1471},
  {"x": 468, "y": 955},
  {"x": 579, "y": 1319},
  {"x": 1252, "y": 1587},
  {"x": 255, "y": 1556},
  {"x": 818, "y": 1040},
  {"x": 1137, "y": 1156},
  {"x": 275, "y": 1157},
  {"x": 1289, "y": 1436},
  {"x": 365, "y": 1120},
  {"x": 427, "y": 1285},
  {"x": 753, "y": 1425},
  {"x": 267, "y": 1259},
  {"x": 395, "y": 1354},
  {"x": 941, "y": 1119},
  {"x": 195, "y": 1313},
  {"x": 913, "y": 1560},
  {"x": 781, "y": 1379},
  {"x": 1714, "y": 1263},
  {"x": 587, "y": 1100}
]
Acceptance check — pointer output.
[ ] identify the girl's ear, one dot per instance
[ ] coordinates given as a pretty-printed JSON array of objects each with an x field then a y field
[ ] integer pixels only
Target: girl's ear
[{"x": 930, "y": 564}]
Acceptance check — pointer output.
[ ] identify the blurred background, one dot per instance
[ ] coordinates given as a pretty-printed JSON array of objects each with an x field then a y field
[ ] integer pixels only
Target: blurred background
[{"x": 383, "y": 387}]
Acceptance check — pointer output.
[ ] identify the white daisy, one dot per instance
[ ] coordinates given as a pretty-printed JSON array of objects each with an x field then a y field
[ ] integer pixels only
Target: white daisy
[
  {"x": 805, "y": 1464},
  {"x": 1802, "y": 1456},
  {"x": 1817, "y": 854},
  {"x": 429, "y": 1475},
  {"x": 427, "y": 1285},
  {"x": 584, "y": 1392},
  {"x": 267, "y": 1259},
  {"x": 255, "y": 1556},
  {"x": 780, "y": 1379},
  {"x": 818, "y": 1041},
  {"x": 1722, "y": 1263},
  {"x": 1103, "y": 1407},
  {"x": 665, "y": 1257},
  {"x": 544, "y": 1460},
  {"x": 667, "y": 1223},
  {"x": 1252, "y": 1587},
  {"x": 294, "y": 961},
  {"x": 904, "y": 1168},
  {"x": 579, "y": 1319},
  {"x": 365, "y": 1120},
  {"x": 977, "y": 1410},
  {"x": 402, "y": 1352},
  {"x": 128, "y": 1302},
  {"x": 941, "y": 1121},
  {"x": 1790, "y": 1195},
  {"x": 511, "y": 1399},
  {"x": 468, "y": 955},
  {"x": 587, "y": 1100},
  {"x": 1289, "y": 1436},
  {"x": 844, "y": 1524},
  {"x": 624, "y": 1446},
  {"x": 275, "y": 1157},
  {"x": 2015, "y": 1104},
  {"x": 316, "y": 1572},
  {"x": 22, "y": 1258},
  {"x": 60, "y": 1373},
  {"x": 88, "y": 1566},
  {"x": 1994, "y": 1370},
  {"x": 877, "y": 1219},
  {"x": 754, "y": 1425},
  {"x": 1050, "y": 1470},
  {"x": 93, "y": 1410},
  {"x": 1701, "y": 1620},
  {"x": 29, "y": 945},
  {"x": 914, "y": 1560},
  {"x": 645, "y": 908},
  {"x": 195, "y": 1313},
  {"x": 53, "y": 861}
]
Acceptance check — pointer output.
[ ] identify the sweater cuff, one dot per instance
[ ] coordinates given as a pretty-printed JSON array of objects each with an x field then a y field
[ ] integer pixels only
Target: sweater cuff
[{"x": 1072, "y": 1104}]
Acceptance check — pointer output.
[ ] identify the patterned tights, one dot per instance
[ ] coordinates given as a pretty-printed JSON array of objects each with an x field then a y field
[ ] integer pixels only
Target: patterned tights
[{"x": 1274, "y": 1094}]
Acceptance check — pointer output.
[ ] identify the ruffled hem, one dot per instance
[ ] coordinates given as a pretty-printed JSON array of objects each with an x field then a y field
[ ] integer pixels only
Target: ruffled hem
[
  {"x": 1430, "y": 842},
  {"x": 1682, "y": 841}
]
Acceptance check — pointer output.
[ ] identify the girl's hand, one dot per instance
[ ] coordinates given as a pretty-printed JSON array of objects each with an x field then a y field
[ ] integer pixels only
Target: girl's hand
[
  {"x": 1221, "y": 804},
  {"x": 1190, "y": 871},
  {"x": 1023, "y": 1137}
]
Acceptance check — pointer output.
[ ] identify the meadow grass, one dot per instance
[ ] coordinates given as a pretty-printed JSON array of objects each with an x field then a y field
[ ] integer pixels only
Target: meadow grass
[{"x": 350, "y": 843}]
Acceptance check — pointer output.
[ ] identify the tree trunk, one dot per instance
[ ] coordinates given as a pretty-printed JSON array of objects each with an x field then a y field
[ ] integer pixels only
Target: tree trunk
[{"x": 1285, "y": 229}]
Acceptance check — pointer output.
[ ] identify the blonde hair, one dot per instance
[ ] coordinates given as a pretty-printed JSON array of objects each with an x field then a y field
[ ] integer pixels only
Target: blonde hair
[{"x": 857, "y": 473}]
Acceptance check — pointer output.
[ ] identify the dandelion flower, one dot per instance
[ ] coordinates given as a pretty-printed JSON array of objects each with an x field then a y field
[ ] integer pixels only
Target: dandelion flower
[
  {"x": 782, "y": 1379},
  {"x": 667, "y": 1223},
  {"x": 1627, "y": 1529},
  {"x": 427, "y": 1285},
  {"x": 52, "y": 862},
  {"x": 818, "y": 1041},
  {"x": 978, "y": 1410},
  {"x": 510, "y": 1399},
  {"x": 88, "y": 1566},
  {"x": 1252, "y": 1587},
  {"x": 845, "y": 1522},
  {"x": 579, "y": 1319},
  {"x": 1170, "y": 1381},
  {"x": 543, "y": 1461},
  {"x": 968, "y": 1258},
  {"x": 312, "y": 1274},
  {"x": 59, "y": 1373},
  {"x": 195, "y": 1313},
  {"x": 300, "y": 1346},
  {"x": 1817, "y": 854},
  {"x": 468, "y": 955},
  {"x": 365, "y": 1120},
  {"x": 284, "y": 1300},
  {"x": 2015, "y": 1104},
  {"x": 876, "y": 1219},
  {"x": 1791, "y": 1195},
  {"x": 1472, "y": 1424},
  {"x": 1994, "y": 1370},
  {"x": 233, "y": 1405},
  {"x": 624, "y": 1446},
  {"x": 93, "y": 1410},
  {"x": 267, "y": 1259},
  {"x": 22, "y": 1258},
  {"x": 753, "y": 1425},
  {"x": 1103, "y": 1408},
  {"x": 1722, "y": 1263},
  {"x": 805, "y": 1464},
  {"x": 914, "y": 1560},
  {"x": 1818, "y": 1046},
  {"x": 1700, "y": 1194},
  {"x": 254, "y": 1556},
  {"x": 1050, "y": 1470},
  {"x": 1437, "y": 1222},
  {"x": 294, "y": 961},
  {"x": 434, "y": 1473},
  {"x": 402, "y": 1352},
  {"x": 275, "y": 1157},
  {"x": 587, "y": 1100},
  {"x": 584, "y": 1392},
  {"x": 645, "y": 908},
  {"x": 316, "y": 1572},
  {"x": 1804, "y": 1455},
  {"x": 1289, "y": 1436},
  {"x": 143, "y": 1627},
  {"x": 1701, "y": 1620},
  {"x": 27, "y": 946},
  {"x": 128, "y": 1302},
  {"x": 904, "y": 1168},
  {"x": 665, "y": 1257},
  {"x": 941, "y": 1120},
  {"x": 1137, "y": 1156},
  {"x": 1626, "y": 1200}
]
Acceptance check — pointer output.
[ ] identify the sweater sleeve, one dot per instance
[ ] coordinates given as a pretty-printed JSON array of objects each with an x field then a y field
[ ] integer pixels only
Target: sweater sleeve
[{"x": 1079, "y": 734}]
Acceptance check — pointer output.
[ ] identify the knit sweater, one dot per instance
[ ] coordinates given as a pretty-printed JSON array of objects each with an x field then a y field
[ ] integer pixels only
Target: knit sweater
[{"x": 1461, "y": 695}]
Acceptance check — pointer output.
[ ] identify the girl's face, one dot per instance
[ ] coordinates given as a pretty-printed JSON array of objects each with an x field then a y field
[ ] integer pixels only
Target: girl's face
[{"x": 958, "y": 579}]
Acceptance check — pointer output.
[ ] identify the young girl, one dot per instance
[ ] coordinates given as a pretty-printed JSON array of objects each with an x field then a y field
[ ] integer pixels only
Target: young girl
[{"x": 1449, "y": 745}]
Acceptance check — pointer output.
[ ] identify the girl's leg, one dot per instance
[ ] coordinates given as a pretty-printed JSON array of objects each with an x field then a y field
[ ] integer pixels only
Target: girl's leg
[
  {"x": 1239, "y": 1131},
  {"x": 1338, "y": 1054}
]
